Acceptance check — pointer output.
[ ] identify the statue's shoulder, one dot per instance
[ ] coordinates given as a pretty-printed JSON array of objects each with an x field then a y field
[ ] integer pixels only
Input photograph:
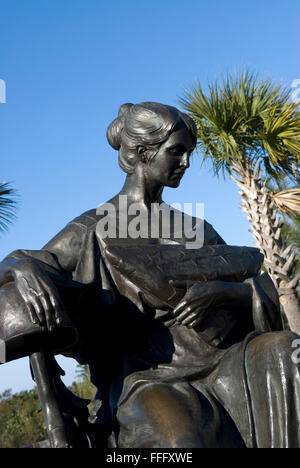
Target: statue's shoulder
[
  {"x": 88, "y": 219},
  {"x": 73, "y": 233}
]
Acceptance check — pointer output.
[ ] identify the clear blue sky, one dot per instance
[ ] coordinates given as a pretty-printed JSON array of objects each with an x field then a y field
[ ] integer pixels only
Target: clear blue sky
[{"x": 69, "y": 64}]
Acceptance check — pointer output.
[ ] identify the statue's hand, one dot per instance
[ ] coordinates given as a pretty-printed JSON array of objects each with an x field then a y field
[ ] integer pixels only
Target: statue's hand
[
  {"x": 39, "y": 293},
  {"x": 199, "y": 300}
]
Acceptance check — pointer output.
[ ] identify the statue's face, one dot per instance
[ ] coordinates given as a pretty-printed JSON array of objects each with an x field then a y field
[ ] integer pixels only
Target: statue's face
[{"x": 172, "y": 159}]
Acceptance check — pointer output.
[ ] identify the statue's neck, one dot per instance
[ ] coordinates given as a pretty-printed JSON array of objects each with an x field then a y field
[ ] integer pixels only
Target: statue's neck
[{"x": 138, "y": 189}]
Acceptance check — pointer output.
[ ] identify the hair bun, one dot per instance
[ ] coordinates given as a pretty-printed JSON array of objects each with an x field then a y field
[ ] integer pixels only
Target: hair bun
[
  {"x": 114, "y": 130},
  {"x": 124, "y": 108}
]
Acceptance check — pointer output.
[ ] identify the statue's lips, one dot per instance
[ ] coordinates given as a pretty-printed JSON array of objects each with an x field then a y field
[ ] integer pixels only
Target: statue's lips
[{"x": 178, "y": 173}]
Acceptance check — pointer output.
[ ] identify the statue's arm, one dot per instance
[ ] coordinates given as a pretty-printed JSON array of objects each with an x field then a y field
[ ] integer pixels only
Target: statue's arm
[
  {"x": 7, "y": 270},
  {"x": 36, "y": 274},
  {"x": 58, "y": 257},
  {"x": 202, "y": 299},
  {"x": 257, "y": 295}
]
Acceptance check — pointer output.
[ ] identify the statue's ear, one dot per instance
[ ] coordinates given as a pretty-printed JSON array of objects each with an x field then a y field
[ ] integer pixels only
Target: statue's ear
[
  {"x": 141, "y": 149},
  {"x": 142, "y": 152}
]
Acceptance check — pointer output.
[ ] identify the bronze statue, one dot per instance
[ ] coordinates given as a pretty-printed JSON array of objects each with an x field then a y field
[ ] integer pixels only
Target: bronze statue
[{"x": 185, "y": 346}]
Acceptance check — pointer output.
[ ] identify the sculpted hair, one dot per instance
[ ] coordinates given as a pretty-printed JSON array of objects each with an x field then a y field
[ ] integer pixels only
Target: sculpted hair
[{"x": 149, "y": 124}]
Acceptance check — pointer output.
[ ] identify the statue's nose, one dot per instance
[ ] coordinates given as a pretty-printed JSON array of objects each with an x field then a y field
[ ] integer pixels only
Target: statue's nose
[{"x": 185, "y": 161}]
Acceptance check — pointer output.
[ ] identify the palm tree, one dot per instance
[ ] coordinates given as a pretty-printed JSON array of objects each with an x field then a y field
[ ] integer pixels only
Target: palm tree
[
  {"x": 291, "y": 231},
  {"x": 7, "y": 205},
  {"x": 250, "y": 129},
  {"x": 287, "y": 202},
  {"x": 290, "y": 227}
]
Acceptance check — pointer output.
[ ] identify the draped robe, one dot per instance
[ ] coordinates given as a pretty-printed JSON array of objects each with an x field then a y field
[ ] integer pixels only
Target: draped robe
[{"x": 241, "y": 384}]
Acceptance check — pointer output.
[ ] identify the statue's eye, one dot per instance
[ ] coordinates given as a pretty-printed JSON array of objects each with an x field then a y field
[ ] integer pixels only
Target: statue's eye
[{"x": 178, "y": 150}]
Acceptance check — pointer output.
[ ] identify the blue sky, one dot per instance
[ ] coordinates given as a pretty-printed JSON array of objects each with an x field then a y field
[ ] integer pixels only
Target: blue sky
[{"x": 68, "y": 66}]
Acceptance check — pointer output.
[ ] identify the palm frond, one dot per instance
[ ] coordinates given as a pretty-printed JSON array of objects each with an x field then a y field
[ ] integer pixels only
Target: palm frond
[
  {"x": 288, "y": 201},
  {"x": 8, "y": 204},
  {"x": 246, "y": 119},
  {"x": 281, "y": 134}
]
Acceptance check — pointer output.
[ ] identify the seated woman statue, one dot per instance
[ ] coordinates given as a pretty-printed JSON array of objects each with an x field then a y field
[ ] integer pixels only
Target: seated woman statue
[{"x": 185, "y": 346}]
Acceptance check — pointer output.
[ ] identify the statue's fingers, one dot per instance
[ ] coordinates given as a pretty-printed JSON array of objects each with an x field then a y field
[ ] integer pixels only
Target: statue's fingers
[
  {"x": 186, "y": 313},
  {"x": 179, "y": 308},
  {"x": 187, "y": 300},
  {"x": 38, "y": 307},
  {"x": 190, "y": 318},
  {"x": 31, "y": 311},
  {"x": 55, "y": 302},
  {"x": 195, "y": 322},
  {"x": 195, "y": 311},
  {"x": 48, "y": 310},
  {"x": 58, "y": 308}
]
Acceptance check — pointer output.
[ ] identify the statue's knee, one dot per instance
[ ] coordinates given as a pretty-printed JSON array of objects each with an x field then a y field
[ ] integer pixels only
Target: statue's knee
[
  {"x": 273, "y": 345},
  {"x": 159, "y": 416}
]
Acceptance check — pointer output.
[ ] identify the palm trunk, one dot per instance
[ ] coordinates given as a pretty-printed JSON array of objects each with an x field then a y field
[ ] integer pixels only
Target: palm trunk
[
  {"x": 279, "y": 257},
  {"x": 291, "y": 306}
]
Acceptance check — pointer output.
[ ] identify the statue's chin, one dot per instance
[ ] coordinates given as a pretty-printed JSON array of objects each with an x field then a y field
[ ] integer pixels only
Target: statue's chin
[{"x": 174, "y": 183}]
